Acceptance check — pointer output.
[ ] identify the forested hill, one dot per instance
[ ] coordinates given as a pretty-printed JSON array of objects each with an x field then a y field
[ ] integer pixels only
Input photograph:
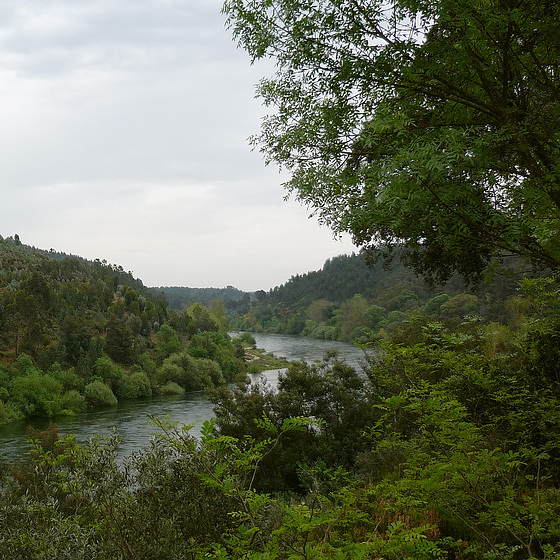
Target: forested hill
[
  {"x": 76, "y": 335},
  {"x": 178, "y": 297},
  {"x": 52, "y": 304},
  {"x": 349, "y": 300},
  {"x": 346, "y": 275}
]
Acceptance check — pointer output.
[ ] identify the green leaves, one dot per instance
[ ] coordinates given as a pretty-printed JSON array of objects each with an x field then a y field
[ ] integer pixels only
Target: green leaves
[{"x": 433, "y": 125}]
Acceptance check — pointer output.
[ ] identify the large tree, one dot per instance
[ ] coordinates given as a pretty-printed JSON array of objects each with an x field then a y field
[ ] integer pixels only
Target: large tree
[{"x": 433, "y": 125}]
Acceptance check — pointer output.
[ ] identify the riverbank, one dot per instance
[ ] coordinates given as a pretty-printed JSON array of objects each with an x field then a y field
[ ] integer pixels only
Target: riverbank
[{"x": 131, "y": 417}]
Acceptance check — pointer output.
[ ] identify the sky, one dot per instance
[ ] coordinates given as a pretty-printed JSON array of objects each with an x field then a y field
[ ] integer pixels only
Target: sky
[{"x": 124, "y": 129}]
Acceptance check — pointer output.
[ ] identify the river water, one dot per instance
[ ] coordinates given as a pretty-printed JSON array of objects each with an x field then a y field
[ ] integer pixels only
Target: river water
[{"x": 131, "y": 418}]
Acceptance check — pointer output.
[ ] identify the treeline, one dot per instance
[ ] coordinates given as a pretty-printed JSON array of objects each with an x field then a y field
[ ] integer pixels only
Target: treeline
[
  {"x": 76, "y": 334},
  {"x": 350, "y": 300},
  {"x": 446, "y": 446},
  {"x": 235, "y": 301}
]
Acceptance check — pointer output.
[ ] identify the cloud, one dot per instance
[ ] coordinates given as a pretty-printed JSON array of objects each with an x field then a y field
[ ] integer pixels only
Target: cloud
[{"x": 124, "y": 136}]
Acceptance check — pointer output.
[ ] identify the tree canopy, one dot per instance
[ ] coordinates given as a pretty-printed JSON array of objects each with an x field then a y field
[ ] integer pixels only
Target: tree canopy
[{"x": 432, "y": 125}]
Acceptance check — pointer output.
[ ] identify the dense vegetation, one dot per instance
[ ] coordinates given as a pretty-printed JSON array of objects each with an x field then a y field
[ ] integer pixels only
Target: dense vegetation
[
  {"x": 77, "y": 335},
  {"x": 349, "y": 300},
  {"x": 431, "y": 124},
  {"x": 445, "y": 446},
  {"x": 235, "y": 301},
  {"x": 448, "y": 447}
]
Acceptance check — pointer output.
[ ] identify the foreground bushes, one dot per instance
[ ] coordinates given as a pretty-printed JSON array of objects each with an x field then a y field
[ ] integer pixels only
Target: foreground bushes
[{"x": 447, "y": 446}]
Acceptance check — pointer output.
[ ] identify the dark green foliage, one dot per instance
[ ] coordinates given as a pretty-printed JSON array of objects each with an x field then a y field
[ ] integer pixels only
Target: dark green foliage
[
  {"x": 433, "y": 125},
  {"x": 77, "y": 502},
  {"x": 447, "y": 446},
  {"x": 133, "y": 385},
  {"x": 73, "y": 331},
  {"x": 182, "y": 370},
  {"x": 119, "y": 341},
  {"x": 98, "y": 394},
  {"x": 349, "y": 300},
  {"x": 217, "y": 346},
  {"x": 202, "y": 318},
  {"x": 332, "y": 393},
  {"x": 444, "y": 450},
  {"x": 190, "y": 373},
  {"x": 166, "y": 342}
]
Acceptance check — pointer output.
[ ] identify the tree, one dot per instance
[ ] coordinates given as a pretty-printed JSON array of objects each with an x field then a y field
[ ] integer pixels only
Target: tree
[
  {"x": 119, "y": 340},
  {"x": 167, "y": 342},
  {"x": 432, "y": 125},
  {"x": 203, "y": 321}
]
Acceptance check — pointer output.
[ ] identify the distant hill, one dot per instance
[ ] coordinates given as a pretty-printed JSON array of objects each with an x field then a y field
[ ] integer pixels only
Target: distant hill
[
  {"x": 348, "y": 300},
  {"x": 346, "y": 275},
  {"x": 234, "y": 300}
]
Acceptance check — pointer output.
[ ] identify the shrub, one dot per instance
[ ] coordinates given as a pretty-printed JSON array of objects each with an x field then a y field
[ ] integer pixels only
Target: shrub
[
  {"x": 171, "y": 388},
  {"x": 72, "y": 401},
  {"x": 107, "y": 370},
  {"x": 133, "y": 386},
  {"x": 184, "y": 370},
  {"x": 67, "y": 378},
  {"x": 98, "y": 395},
  {"x": 211, "y": 369},
  {"x": 8, "y": 414},
  {"x": 167, "y": 342},
  {"x": 169, "y": 372},
  {"x": 246, "y": 338},
  {"x": 36, "y": 394}
]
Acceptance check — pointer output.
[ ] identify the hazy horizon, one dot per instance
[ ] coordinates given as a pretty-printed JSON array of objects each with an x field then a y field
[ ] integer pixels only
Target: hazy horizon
[{"x": 124, "y": 138}]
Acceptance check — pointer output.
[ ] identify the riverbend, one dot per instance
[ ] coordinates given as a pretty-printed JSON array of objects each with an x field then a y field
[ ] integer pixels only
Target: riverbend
[{"x": 131, "y": 418}]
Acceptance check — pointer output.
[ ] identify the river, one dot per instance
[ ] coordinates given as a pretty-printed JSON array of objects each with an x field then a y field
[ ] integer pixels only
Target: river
[{"x": 131, "y": 418}]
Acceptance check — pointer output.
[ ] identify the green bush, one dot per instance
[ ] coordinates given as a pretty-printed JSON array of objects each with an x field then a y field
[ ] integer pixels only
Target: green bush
[
  {"x": 246, "y": 338},
  {"x": 133, "y": 386},
  {"x": 171, "y": 388},
  {"x": 8, "y": 414},
  {"x": 108, "y": 371},
  {"x": 72, "y": 401},
  {"x": 67, "y": 378},
  {"x": 184, "y": 370},
  {"x": 36, "y": 394},
  {"x": 167, "y": 343},
  {"x": 433, "y": 305},
  {"x": 98, "y": 395},
  {"x": 169, "y": 372},
  {"x": 146, "y": 363},
  {"x": 211, "y": 369}
]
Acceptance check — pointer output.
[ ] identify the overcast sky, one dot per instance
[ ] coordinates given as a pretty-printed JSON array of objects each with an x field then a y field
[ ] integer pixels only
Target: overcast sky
[{"x": 123, "y": 136}]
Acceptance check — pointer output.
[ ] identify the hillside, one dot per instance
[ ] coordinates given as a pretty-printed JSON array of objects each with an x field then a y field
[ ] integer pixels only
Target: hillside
[
  {"x": 179, "y": 298},
  {"x": 76, "y": 335},
  {"x": 349, "y": 299}
]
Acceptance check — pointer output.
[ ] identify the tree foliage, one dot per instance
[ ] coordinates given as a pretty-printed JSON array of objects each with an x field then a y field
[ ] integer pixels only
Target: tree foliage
[
  {"x": 77, "y": 334},
  {"x": 429, "y": 124},
  {"x": 445, "y": 446}
]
